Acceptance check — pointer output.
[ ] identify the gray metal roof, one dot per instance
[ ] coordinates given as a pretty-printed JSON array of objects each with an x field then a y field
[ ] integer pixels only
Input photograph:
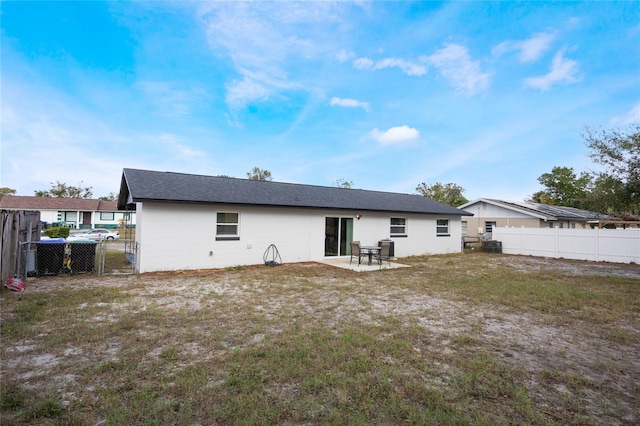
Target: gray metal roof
[
  {"x": 145, "y": 185},
  {"x": 545, "y": 211},
  {"x": 566, "y": 213}
]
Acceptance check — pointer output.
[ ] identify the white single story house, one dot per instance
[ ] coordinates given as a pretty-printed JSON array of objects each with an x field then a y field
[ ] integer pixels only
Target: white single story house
[
  {"x": 187, "y": 221},
  {"x": 488, "y": 213},
  {"x": 76, "y": 213}
]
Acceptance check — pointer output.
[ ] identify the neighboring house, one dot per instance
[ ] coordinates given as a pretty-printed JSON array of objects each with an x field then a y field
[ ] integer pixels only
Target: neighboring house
[
  {"x": 488, "y": 213},
  {"x": 189, "y": 221},
  {"x": 72, "y": 212}
]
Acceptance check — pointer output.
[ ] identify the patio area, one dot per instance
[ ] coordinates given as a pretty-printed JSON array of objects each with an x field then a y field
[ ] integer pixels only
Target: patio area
[{"x": 363, "y": 267}]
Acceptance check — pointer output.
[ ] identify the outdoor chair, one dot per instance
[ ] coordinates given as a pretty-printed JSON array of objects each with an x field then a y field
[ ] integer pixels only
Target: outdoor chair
[
  {"x": 383, "y": 254},
  {"x": 356, "y": 252}
]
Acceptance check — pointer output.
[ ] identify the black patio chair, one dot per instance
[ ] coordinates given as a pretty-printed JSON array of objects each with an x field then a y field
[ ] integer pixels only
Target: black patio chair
[
  {"x": 356, "y": 252},
  {"x": 383, "y": 253}
]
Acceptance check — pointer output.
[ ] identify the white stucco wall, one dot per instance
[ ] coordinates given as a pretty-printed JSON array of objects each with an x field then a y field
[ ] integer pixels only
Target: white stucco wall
[
  {"x": 482, "y": 210},
  {"x": 421, "y": 233},
  {"x": 49, "y": 216},
  {"x": 183, "y": 236},
  {"x": 54, "y": 216}
]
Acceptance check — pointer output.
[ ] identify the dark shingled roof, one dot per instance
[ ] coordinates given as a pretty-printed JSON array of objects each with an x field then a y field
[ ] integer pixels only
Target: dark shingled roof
[{"x": 145, "y": 185}]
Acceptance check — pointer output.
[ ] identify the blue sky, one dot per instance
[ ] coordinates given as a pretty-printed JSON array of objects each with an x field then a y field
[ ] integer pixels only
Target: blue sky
[{"x": 487, "y": 95}]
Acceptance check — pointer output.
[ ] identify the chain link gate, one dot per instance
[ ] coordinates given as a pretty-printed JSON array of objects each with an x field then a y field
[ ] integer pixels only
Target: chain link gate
[{"x": 56, "y": 256}]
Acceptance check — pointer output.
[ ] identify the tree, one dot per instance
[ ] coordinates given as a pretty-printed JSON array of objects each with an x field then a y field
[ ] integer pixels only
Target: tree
[
  {"x": 6, "y": 191},
  {"x": 619, "y": 153},
  {"x": 449, "y": 193},
  {"x": 605, "y": 196},
  {"x": 343, "y": 183},
  {"x": 111, "y": 197},
  {"x": 259, "y": 174},
  {"x": 563, "y": 188},
  {"x": 62, "y": 190}
]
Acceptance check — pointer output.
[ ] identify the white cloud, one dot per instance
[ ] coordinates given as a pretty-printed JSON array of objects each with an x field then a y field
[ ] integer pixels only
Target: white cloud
[
  {"x": 344, "y": 55},
  {"x": 632, "y": 116},
  {"x": 168, "y": 99},
  {"x": 261, "y": 39},
  {"x": 455, "y": 64},
  {"x": 395, "y": 135},
  {"x": 363, "y": 64},
  {"x": 562, "y": 71},
  {"x": 407, "y": 67},
  {"x": 240, "y": 92},
  {"x": 530, "y": 50},
  {"x": 349, "y": 103},
  {"x": 179, "y": 149}
]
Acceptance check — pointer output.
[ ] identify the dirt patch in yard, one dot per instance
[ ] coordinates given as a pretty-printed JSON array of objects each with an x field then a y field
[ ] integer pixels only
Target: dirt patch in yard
[
  {"x": 577, "y": 267},
  {"x": 578, "y": 361}
]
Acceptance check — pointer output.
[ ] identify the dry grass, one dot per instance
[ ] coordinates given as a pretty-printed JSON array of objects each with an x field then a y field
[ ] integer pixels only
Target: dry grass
[{"x": 462, "y": 339}]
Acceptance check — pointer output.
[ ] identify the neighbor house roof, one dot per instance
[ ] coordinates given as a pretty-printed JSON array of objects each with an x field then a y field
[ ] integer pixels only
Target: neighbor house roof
[
  {"x": 545, "y": 211},
  {"x": 145, "y": 185},
  {"x": 19, "y": 202}
]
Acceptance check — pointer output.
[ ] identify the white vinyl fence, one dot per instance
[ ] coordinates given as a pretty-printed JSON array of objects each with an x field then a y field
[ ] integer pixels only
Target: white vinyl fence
[{"x": 600, "y": 245}]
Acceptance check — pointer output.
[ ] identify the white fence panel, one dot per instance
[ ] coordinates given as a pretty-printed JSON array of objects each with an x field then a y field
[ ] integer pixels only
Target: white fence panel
[{"x": 600, "y": 245}]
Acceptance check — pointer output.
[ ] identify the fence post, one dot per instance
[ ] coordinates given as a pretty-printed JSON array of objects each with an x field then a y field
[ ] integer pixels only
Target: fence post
[{"x": 597, "y": 244}]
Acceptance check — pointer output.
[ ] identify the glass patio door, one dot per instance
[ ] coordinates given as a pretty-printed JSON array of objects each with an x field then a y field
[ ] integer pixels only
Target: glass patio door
[{"x": 338, "y": 235}]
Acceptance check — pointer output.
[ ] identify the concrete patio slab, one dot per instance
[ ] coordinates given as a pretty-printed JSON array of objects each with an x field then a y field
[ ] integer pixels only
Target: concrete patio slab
[{"x": 363, "y": 267}]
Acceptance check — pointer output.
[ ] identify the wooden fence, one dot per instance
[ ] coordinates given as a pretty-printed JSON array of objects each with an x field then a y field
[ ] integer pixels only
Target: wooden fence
[
  {"x": 600, "y": 245},
  {"x": 17, "y": 227}
]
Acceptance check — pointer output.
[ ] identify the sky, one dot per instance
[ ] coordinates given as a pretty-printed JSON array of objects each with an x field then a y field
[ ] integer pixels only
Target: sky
[{"x": 385, "y": 95}]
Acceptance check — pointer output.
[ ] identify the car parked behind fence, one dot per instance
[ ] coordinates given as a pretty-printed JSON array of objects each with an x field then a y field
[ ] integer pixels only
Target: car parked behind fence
[{"x": 96, "y": 234}]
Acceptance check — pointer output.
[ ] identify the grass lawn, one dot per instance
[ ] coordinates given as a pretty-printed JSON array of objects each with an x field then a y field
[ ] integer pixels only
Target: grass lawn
[{"x": 454, "y": 340}]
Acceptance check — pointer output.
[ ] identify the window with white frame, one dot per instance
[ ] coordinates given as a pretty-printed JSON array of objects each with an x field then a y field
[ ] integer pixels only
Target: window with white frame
[
  {"x": 464, "y": 227},
  {"x": 398, "y": 227},
  {"x": 107, "y": 216},
  {"x": 488, "y": 226},
  {"x": 442, "y": 227},
  {"x": 227, "y": 225}
]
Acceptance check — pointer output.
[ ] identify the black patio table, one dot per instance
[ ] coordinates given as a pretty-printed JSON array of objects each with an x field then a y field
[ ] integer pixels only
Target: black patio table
[{"x": 370, "y": 250}]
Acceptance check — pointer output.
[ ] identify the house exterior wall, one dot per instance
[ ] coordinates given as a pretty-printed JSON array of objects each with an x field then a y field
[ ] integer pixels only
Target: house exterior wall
[
  {"x": 504, "y": 217},
  {"x": 175, "y": 236},
  {"x": 474, "y": 224},
  {"x": 74, "y": 218},
  {"x": 485, "y": 212},
  {"x": 106, "y": 220}
]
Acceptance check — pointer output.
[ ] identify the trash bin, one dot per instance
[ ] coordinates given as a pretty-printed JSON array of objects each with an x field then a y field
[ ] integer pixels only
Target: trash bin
[
  {"x": 82, "y": 255},
  {"x": 50, "y": 255},
  {"x": 493, "y": 246},
  {"x": 391, "y": 247}
]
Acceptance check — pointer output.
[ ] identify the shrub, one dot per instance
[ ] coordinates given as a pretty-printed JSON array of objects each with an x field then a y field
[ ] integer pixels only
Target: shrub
[{"x": 57, "y": 232}]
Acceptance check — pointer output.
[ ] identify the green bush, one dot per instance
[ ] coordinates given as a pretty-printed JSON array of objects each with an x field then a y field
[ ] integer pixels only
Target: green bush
[{"x": 57, "y": 232}]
